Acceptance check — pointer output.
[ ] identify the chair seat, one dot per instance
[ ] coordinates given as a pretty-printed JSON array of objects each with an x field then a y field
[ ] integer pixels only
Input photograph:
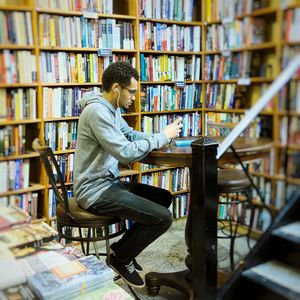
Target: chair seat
[
  {"x": 83, "y": 216},
  {"x": 232, "y": 181}
]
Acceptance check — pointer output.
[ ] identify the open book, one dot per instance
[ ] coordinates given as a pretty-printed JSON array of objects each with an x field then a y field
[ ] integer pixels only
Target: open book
[{"x": 12, "y": 215}]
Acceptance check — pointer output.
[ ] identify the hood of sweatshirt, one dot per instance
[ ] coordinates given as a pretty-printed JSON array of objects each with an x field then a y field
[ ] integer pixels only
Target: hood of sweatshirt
[{"x": 94, "y": 97}]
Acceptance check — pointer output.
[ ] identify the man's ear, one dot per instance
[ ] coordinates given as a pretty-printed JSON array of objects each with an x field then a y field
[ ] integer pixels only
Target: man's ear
[{"x": 114, "y": 87}]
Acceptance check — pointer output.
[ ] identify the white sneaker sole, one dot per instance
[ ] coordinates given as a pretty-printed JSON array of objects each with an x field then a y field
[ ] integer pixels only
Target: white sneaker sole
[{"x": 129, "y": 283}]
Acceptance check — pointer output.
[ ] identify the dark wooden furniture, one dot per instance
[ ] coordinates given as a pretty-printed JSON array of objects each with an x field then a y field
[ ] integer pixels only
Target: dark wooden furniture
[
  {"x": 199, "y": 281},
  {"x": 70, "y": 215}
]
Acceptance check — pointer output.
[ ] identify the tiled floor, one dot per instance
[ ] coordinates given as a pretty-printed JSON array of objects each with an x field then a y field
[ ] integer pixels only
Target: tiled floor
[{"x": 167, "y": 254}]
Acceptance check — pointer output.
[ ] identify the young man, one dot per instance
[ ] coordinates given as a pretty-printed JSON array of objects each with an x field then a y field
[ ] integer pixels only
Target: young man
[{"x": 104, "y": 140}]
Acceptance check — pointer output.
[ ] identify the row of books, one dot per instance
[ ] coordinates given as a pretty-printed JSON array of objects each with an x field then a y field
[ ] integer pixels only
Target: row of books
[
  {"x": 174, "y": 180},
  {"x": 289, "y": 130},
  {"x": 16, "y": 28},
  {"x": 288, "y": 53},
  {"x": 61, "y": 102},
  {"x": 80, "y": 32},
  {"x": 229, "y": 9},
  {"x": 15, "y": 175},
  {"x": 52, "y": 199},
  {"x": 294, "y": 97},
  {"x": 41, "y": 267},
  {"x": 18, "y": 104},
  {"x": 293, "y": 165},
  {"x": 217, "y": 125},
  {"x": 12, "y": 140},
  {"x": 235, "y": 34},
  {"x": 291, "y": 25},
  {"x": 61, "y": 135},
  {"x": 17, "y": 67},
  {"x": 154, "y": 124},
  {"x": 264, "y": 186},
  {"x": 168, "y": 37},
  {"x": 69, "y": 67},
  {"x": 230, "y": 208},
  {"x": 220, "y": 96},
  {"x": 66, "y": 165},
  {"x": 219, "y": 67},
  {"x": 167, "y": 98},
  {"x": 179, "y": 10},
  {"x": 180, "y": 205},
  {"x": 174, "y": 68},
  {"x": 262, "y": 165},
  {"x": 100, "y": 6},
  {"x": 28, "y": 202}
]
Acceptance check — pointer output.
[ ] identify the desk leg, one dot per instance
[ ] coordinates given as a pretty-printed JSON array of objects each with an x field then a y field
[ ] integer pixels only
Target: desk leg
[{"x": 199, "y": 281}]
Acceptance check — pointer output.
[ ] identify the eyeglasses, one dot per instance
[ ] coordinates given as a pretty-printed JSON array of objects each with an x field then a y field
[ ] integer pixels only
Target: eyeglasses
[{"x": 131, "y": 92}]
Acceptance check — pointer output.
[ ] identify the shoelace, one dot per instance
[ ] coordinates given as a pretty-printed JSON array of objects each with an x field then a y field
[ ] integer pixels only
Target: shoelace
[{"x": 130, "y": 267}]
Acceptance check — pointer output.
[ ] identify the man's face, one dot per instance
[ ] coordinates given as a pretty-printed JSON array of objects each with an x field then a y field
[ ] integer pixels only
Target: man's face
[{"x": 128, "y": 94}]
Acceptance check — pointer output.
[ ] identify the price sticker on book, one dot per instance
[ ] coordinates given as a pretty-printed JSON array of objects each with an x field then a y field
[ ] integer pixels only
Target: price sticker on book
[
  {"x": 244, "y": 81},
  {"x": 179, "y": 84},
  {"x": 104, "y": 52},
  {"x": 90, "y": 15}
]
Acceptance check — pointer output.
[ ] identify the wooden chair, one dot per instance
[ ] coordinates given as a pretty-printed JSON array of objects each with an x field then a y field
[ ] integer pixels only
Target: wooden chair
[{"x": 70, "y": 217}]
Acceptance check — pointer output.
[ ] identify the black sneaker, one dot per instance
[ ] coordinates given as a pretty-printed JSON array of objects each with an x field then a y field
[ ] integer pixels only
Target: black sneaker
[
  {"x": 137, "y": 266},
  {"x": 126, "y": 271}
]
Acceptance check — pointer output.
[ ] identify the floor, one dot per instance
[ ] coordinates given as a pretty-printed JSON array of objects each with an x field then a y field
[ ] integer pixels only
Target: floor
[{"x": 167, "y": 254}]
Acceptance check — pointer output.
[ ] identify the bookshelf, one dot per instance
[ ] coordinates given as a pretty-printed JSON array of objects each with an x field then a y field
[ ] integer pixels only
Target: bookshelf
[{"x": 210, "y": 84}]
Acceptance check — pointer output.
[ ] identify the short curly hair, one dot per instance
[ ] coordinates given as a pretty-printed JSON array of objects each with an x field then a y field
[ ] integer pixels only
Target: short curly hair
[{"x": 118, "y": 72}]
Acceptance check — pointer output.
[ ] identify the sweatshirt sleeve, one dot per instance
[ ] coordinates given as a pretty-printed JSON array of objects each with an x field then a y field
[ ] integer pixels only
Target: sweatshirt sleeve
[
  {"x": 130, "y": 133},
  {"x": 113, "y": 140}
]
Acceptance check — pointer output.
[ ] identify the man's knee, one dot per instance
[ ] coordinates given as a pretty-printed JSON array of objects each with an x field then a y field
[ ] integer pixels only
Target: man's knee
[{"x": 166, "y": 220}]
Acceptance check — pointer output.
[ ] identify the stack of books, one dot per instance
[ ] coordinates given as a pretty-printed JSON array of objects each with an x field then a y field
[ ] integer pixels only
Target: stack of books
[{"x": 36, "y": 266}]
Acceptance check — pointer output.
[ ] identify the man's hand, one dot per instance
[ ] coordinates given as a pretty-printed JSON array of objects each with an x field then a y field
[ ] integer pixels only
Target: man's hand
[{"x": 171, "y": 131}]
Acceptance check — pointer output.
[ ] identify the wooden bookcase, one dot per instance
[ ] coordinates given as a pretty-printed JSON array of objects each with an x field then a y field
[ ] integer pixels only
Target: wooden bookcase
[{"x": 270, "y": 53}]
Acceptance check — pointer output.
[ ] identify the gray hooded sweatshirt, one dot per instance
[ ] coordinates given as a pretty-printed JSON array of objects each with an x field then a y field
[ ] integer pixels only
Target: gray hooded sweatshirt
[{"x": 104, "y": 139}]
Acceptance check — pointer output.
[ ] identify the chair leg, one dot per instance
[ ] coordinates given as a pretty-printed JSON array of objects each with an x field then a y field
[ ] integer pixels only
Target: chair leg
[
  {"x": 249, "y": 200},
  {"x": 81, "y": 243},
  {"x": 88, "y": 243},
  {"x": 95, "y": 243}
]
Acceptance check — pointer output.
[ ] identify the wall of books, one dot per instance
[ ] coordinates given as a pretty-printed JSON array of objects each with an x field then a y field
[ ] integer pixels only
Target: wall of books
[{"x": 207, "y": 61}]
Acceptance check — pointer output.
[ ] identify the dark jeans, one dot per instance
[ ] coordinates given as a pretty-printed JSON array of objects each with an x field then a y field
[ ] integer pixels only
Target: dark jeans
[{"x": 144, "y": 204}]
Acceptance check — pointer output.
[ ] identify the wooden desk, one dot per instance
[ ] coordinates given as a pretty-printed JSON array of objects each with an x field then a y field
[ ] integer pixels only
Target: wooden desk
[{"x": 199, "y": 281}]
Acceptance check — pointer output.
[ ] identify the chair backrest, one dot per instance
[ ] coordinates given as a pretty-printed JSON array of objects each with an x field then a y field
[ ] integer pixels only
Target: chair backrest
[{"x": 56, "y": 181}]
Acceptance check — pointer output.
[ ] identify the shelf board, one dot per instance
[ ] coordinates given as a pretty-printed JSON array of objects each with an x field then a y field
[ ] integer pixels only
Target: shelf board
[
  {"x": 157, "y": 169},
  {"x": 180, "y": 192},
  {"x": 18, "y": 85},
  {"x": 291, "y": 113},
  {"x": 171, "y": 82},
  {"x": 235, "y": 111},
  {"x": 61, "y": 119},
  {"x": 166, "y": 21},
  {"x": 292, "y": 180},
  {"x": 54, "y": 84},
  {"x": 267, "y": 176},
  {"x": 20, "y": 156},
  {"x": 258, "y": 12},
  {"x": 19, "y": 122},
  {"x": 74, "y": 49},
  {"x": 67, "y": 151},
  {"x": 16, "y": 7},
  {"x": 128, "y": 172},
  {"x": 255, "y": 13},
  {"x": 16, "y": 47},
  {"x": 81, "y": 13},
  {"x": 129, "y": 114},
  {"x": 262, "y": 46},
  {"x": 291, "y": 6},
  {"x": 252, "y": 80},
  {"x": 289, "y": 43},
  {"x": 32, "y": 188},
  {"x": 170, "y": 52},
  {"x": 173, "y": 111}
]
